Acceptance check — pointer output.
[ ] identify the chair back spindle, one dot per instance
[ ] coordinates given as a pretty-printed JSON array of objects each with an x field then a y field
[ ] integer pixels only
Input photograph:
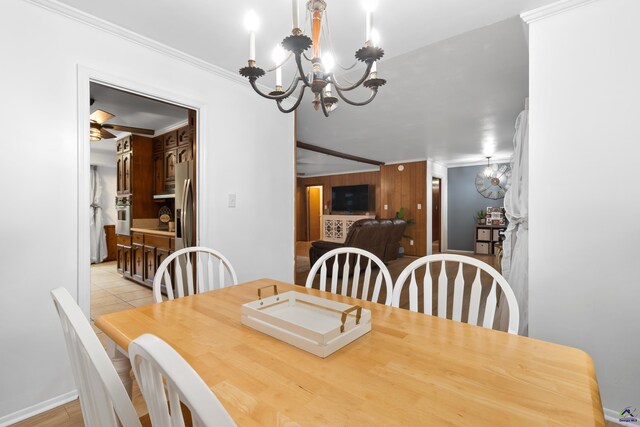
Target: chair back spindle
[
  {"x": 486, "y": 319},
  {"x": 353, "y": 283},
  {"x": 192, "y": 270}
]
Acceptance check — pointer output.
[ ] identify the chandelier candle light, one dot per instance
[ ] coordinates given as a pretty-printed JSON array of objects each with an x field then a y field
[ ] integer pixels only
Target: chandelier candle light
[{"x": 321, "y": 80}]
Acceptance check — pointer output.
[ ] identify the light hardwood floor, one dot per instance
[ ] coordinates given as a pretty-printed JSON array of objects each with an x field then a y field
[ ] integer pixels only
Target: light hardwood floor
[{"x": 109, "y": 293}]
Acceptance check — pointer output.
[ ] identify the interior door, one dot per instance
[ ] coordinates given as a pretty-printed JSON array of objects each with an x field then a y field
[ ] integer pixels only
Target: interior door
[
  {"x": 436, "y": 215},
  {"x": 314, "y": 213}
]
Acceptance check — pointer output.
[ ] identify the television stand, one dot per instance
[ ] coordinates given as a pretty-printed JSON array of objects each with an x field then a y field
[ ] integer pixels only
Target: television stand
[{"x": 336, "y": 227}]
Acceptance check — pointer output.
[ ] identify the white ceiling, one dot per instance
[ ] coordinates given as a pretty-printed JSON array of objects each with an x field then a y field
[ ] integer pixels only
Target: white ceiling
[
  {"x": 454, "y": 101},
  {"x": 132, "y": 110},
  {"x": 454, "y": 77}
]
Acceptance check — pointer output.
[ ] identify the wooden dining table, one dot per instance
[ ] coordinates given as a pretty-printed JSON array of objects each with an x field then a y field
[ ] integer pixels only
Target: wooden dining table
[{"x": 411, "y": 369}]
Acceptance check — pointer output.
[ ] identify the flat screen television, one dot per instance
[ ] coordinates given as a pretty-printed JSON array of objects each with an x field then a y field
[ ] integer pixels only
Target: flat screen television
[{"x": 352, "y": 198}]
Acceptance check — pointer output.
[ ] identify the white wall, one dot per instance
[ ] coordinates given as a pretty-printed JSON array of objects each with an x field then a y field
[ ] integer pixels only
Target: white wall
[
  {"x": 585, "y": 197},
  {"x": 249, "y": 150}
]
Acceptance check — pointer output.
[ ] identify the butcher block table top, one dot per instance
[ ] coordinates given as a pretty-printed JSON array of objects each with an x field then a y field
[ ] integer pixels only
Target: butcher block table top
[{"x": 411, "y": 369}]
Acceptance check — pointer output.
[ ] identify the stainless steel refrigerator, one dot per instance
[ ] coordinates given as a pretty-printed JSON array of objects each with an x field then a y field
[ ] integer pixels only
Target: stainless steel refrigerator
[{"x": 185, "y": 205}]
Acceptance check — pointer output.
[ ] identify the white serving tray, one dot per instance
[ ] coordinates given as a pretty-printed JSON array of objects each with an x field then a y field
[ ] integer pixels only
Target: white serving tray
[{"x": 317, "y": 325}]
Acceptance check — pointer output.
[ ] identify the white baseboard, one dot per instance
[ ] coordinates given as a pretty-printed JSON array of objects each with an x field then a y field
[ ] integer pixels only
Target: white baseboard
[
  {"x": 38, "y": 408},
  {"x": 613, "y": 416}
]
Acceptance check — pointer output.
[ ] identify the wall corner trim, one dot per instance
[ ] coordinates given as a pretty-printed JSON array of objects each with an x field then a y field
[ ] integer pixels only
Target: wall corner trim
[
  {"x": 101, "y": 24},
  {"x": 38, "y": 408},
  {"x": 552, "y": 9}
]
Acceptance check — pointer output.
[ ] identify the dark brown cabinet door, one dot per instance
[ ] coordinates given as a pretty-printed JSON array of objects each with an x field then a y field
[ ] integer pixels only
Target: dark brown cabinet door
[
  {"x": 149, "y": 264},
  {"x": 184, "y": 136},
  {"x": 138, "y": 266},
  {"x": 158, "y": 173},
  {"x": 126, "y": 143},
  {"x": 126, "y": 173},
  {"x": 127, "y": 261},
  {"x": 184, "y": 153},
  {"x": 120, "y": 259},
  {"x": 170, "y": 165},
  {"x": 171, "y": 139},
  {"x": 158, "y": 144},
  {"x": 119, "y": 171},
  {"x": 161, "y": 255}
]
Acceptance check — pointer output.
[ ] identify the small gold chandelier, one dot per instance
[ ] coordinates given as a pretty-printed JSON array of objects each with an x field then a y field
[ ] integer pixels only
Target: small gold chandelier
[{"x": 321, "y": 80}]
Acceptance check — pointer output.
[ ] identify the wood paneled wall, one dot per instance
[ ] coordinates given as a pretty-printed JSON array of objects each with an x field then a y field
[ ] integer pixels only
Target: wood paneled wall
[
  {"x": 359, "y": 178},
  {"x": 407, "y": 189},
  {"x": 397, "y": 189}
]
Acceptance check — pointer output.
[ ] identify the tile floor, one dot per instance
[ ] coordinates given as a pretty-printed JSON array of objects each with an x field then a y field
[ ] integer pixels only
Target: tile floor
[{"x": 110, "y": 292}]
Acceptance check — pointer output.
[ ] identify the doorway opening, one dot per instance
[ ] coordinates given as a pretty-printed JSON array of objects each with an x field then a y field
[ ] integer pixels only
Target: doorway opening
[
  {"x": 314, "y": 212},
  {"x": 143, "y": 175},
  {"x": 436, "y": 214}
]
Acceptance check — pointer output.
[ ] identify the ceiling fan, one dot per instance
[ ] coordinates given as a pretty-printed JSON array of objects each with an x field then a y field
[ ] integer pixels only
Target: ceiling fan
[{"x": 99, "y": 127}]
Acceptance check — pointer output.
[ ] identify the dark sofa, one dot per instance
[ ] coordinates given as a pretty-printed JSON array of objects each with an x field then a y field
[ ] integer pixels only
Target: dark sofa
[{"x": 380, "y": 237}]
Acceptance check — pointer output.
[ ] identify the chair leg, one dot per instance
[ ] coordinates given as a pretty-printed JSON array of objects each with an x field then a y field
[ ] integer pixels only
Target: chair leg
[{"x": 122, "y": 365}]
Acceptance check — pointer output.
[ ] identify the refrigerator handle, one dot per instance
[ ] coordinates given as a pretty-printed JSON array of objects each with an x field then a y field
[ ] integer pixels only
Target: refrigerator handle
[
  {"x": 182, "y": 213},
  {"x": 189, "y": 213}
]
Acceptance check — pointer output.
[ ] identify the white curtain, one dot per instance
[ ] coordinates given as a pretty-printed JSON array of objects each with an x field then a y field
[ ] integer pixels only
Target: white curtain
[
  {"x": 98, "y": 238},
  {"x": 515, "y": 260}
]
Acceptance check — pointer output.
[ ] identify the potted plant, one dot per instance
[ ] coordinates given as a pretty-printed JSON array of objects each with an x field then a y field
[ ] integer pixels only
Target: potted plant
[
  {"x": 401, "y": 215},
  {"x": 481, "y": 217}
]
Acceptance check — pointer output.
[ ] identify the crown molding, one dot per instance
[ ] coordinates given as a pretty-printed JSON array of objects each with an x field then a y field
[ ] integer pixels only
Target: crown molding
[
  {"x": 552, "y": 9},
  {"x": 99, "y": 23},
  {"x": 171, "y": 127}
]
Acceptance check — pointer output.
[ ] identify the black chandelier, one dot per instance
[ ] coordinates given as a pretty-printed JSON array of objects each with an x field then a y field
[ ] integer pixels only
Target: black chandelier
[{"x": 321, "y": 80}]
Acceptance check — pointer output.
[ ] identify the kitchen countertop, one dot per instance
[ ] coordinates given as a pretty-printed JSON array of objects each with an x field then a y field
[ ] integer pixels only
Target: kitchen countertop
[{"x": 155, "y": 231}]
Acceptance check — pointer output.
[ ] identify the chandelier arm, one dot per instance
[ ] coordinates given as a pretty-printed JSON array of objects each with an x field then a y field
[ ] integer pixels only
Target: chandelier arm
[
  {"x": 286, "y": 94},
  {"x": 300, "y": 95},
  {"x": 324, "y": 107},
  {"x": 374, "y": 92},
  {"x": 356, "y": 84},
  {"x": 302, "y": 77}
]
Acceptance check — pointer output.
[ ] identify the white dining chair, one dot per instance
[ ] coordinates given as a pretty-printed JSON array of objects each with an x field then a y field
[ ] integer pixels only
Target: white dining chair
[
  {"x": 176, "y": 273},
  {"x": 103, "y": 398},
  {"x": 163, "y": 374},
  {"x": 458, "y": 290},
  {"x": 362, "y": 260}
]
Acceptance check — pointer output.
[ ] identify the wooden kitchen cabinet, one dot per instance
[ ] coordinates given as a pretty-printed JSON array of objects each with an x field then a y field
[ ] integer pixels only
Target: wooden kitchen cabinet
[
  {"x": 145, "y": 252},
  {"x": 170, "y": 139},
  {"x": 126, "y": 261},
  {"x": 149, "y": 264},
  {"x": 158, "y": 173},
  {"x": 119, "y": 181},
  {"x": 184, "y": 135},
  {"x": 170, "y": 170},
  {"x": 158, "y": 144},
  {"x": 184, "y": 153},
  {"x": 126, "y": 172},
  {"x": 120, "y": 259},
  {"x": 138, "y": 267}
]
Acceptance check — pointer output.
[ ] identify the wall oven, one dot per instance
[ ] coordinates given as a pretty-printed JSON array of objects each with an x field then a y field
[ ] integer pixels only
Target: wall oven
[{"x": 123, "y": 215}]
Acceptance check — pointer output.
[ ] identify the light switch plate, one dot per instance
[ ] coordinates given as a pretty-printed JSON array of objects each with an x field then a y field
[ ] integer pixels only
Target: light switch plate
[
  {"x": 411, "y": 242},
  {"x": 419, "y": 205},
  {"x": 386, "y": 207},
  {"x": 232, "y": 200}
]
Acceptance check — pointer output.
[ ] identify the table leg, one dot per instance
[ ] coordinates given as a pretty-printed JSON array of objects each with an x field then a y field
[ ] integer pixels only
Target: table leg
[{"x": 122, "y": 364}]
